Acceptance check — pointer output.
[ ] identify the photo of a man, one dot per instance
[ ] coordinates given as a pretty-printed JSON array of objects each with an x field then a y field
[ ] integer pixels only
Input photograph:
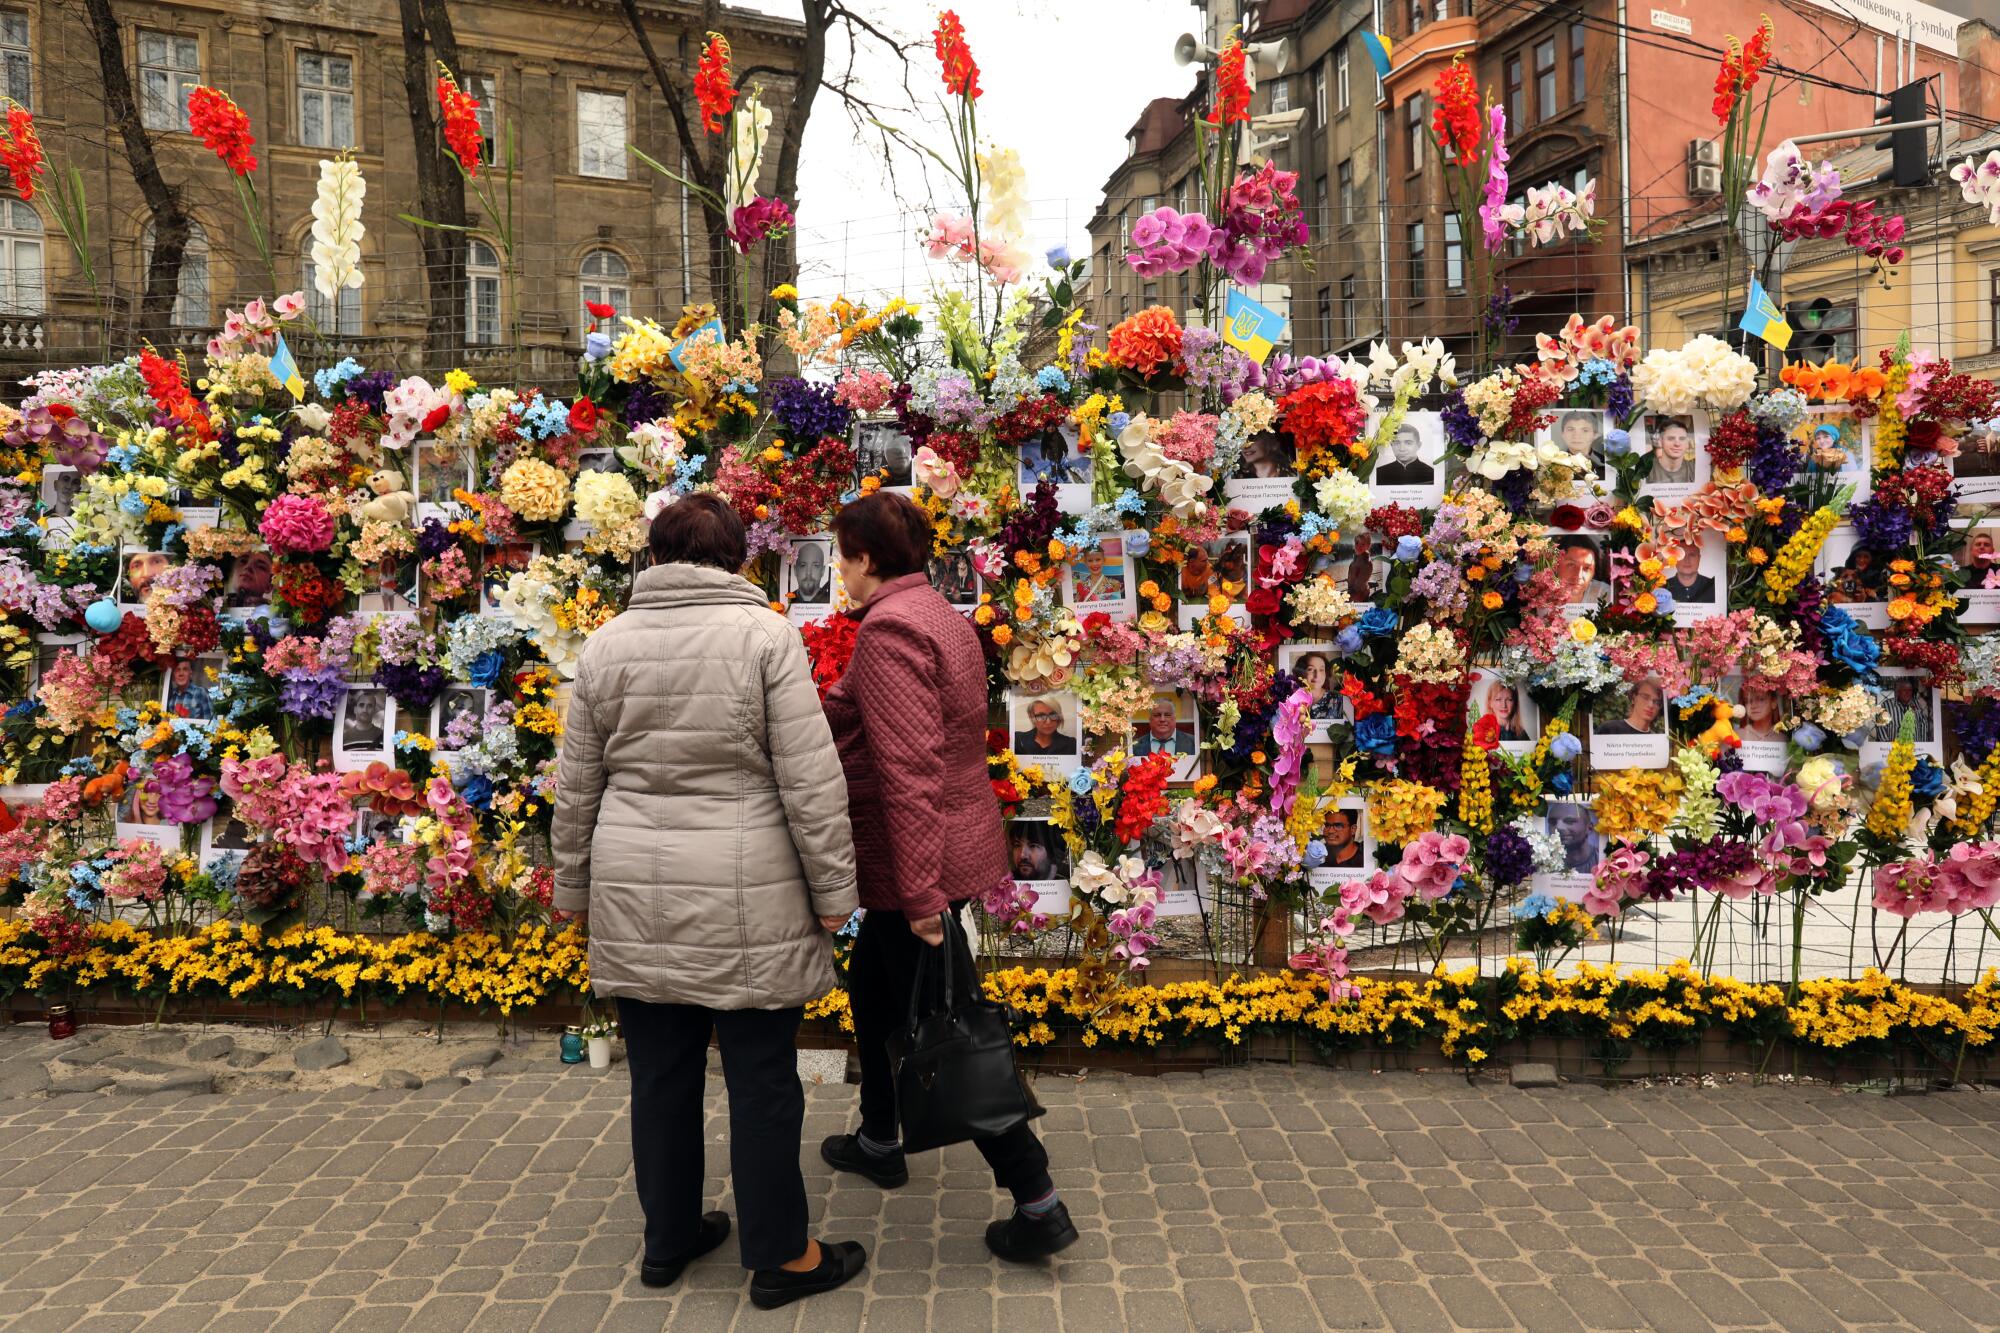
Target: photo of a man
[
  {"x": 1578, "y": 563},
  {"x": 1405, "y": 466},
  {"x": 187, "y": 691},
  {"x": 249, "y": 581},
  {"x": 441, "y": 469},
  {"x": 364, "y": 721},
  {"x": 1689, "y": 584},
  {"x": 1036, "y": 851},
  {"x": 59, "y": 487},
  {"x": 1164, "y": 733},
  {"x": 1978, "y": 452},
  {"x": 882, "y": 450},
  {"x": 1581, "y": 435},
  {"x": 1045, "y": 734},
  {"x": 141, "y": 568},
  {"x": 1645, "y": 712},
  {"x": 812, "y": 574},
  {"x": 1051, "y": 457},
  {"x": 1860, "y": 578},
  {"x": 1905, "y": 698},
  {"x": 1572, "y": 825},
  {"x": 1672, "y": 439},
  {"x": 1341, "y": 832}
]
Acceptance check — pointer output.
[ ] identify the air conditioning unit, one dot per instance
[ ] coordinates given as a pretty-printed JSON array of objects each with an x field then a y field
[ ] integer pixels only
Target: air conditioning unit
[
  {"x": 1704, "y": 153},
  {"x": 1704, "y": 179}
]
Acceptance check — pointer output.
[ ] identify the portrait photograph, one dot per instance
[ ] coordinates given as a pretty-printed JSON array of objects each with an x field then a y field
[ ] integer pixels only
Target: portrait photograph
[
  {"x": 363, "y": 727},
  {"x": 1634, "y": 736},
  {"x": 1977, "y": 465},
  {"x": 882, "y": 450},
  {"x": 140, "y": 804},
  {"x": 1510, "y": 710},
  {"x": 394, "y": 590},
  {"x": 1856, "y": 578},
  {"x": 1350, "y": 850},
  {"x": 1579, "y": 432},
  {"x": 1038, "y": 858},
  {"x": 60, "y": 484},
  {"x": 136, "y": 572},
  {"x": 249, "y": 580},
  {"x": 1265, "y": 474},
  {"x": 1575, "y": 827},
  {"x": 1311, "y": 665},
  {"x": 1978, "y": 554},
  {"x": 1171, "y": 726},
  {"x": 808, "y": 578},
  {"x": 440, "y": 470},
  {"x": 1836, "y": 441},
  {"x": 1046, "y": 729},
  {"x": 955, "y": 579},
  {"x": 1758, "y": 723},
  {"x": 1100, "y": 579},
  {"x": 1409, "y": 468},
  {"x": 1052, "y": 457},
  {"x": 1903, "y": 693},
  {"x": 1677, "y": 463},
  {"x": 1183, "y": 881},
  {"x": 1582, "y": 574},
  {"x": 185, "y": 687},
  {"x": 1699, "y": 580}
]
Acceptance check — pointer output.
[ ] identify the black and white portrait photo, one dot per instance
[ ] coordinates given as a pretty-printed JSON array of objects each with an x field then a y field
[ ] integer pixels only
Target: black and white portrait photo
[
  {"x": 59, "y": 487},
  {"x": 882, "y": 450},
  {"x": 812, "y": 573},
  {"x": 362, "y": 729}
]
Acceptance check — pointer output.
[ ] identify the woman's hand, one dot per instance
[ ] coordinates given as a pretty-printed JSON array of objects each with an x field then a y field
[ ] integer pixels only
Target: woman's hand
[
  {"x": 929, "y": 929},
  {"x": 832, "y": 922}
]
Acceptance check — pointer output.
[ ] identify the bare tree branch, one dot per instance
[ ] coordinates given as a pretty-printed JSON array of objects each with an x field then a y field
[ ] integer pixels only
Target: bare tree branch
[{"x": 440, "y": 189}]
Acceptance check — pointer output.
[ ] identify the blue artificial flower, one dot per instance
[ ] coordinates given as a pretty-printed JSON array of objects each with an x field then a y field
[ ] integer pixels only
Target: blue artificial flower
[
  {"x": 485, "y": 669},
  {"x": 1138, "y": 542},
  {"x": 1409, "y": 549},
  {"x": 1376, "y": 734},
  {"x": 1808, "y": 737},
  {"x": 1927, "y": 779},
  {"x": 1848, "y": 643},
  {"x": 1379, "y": 621},
  {"x": 1561, "y": 782},
  {"x": 1617, "y": 442},
  {"x": 1052, "y": 379},
  {"x": 1058, "y": 256},
  {"x": 1129, "y": 501},
  {"x": 477, "y": 791},
  {"x": 1664, "y": 601},
  {"x": 1534, "y": 905},
  {"x": 597, "y": 346},
  {"x": 1566, "y": 746},
  {"x": 1314, "y": 855},
  {"x": 123, "y": 457},
  {"x": 1082, "y": 782},
  {"x": 1347, "y": 642},
  {"x": 333, "y": 377},
  {"x": 133, "y": 503},
  {"x": 1119, "y": 421}
]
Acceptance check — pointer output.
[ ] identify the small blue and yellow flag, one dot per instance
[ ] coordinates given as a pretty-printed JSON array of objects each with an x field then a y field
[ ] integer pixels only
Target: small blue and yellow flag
[
  {"x": 285, "y": 369},
  {"x": 1380, "y": 48},
  {"x": 1763, "y": 319},
  {"x": 678, "y": 352},
  {"x": 1250, "y": 328}
]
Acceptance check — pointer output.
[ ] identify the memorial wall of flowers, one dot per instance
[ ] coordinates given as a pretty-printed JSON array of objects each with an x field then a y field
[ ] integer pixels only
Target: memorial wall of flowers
[{"x": 1395, "y": 643}]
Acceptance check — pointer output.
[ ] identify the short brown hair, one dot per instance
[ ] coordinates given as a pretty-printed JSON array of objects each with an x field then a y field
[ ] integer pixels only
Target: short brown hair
[
  {"x": 699, "y": 529},
  {"x": 889, "y": 528}
]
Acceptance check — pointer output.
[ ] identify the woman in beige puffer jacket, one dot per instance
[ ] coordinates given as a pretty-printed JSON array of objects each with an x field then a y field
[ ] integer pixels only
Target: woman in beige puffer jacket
[{"x": 701, "y": 825}]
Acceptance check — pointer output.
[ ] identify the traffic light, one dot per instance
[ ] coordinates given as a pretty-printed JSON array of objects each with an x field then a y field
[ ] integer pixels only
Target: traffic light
[
  {"x": 1817, "y": 326},
  {"x": 1909, "y": 161}
]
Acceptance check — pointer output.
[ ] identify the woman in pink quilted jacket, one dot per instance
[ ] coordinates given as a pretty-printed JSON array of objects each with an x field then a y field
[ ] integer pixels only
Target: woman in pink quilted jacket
[{"x": 909, "y": 718}]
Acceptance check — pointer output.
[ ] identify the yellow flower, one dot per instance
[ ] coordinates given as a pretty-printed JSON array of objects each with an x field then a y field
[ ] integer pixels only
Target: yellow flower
[
  {"x": 1583, "y": 631},
  {"x": 458, "y": 382},
  {"x": 1491, "y": 600}
]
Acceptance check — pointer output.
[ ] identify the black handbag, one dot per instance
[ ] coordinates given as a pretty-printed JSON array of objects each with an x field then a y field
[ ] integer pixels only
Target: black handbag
[{"x": 953, "y": 1066}]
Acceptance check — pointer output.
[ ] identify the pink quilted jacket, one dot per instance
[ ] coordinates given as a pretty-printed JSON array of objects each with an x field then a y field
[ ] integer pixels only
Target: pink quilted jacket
[{"x": 909, "y": 719}]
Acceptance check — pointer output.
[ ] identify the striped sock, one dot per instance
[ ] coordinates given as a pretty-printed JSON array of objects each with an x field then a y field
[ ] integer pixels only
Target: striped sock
[
  {"x": 1040, "y": 1207},
  {"x": 877, "y": 1148}
]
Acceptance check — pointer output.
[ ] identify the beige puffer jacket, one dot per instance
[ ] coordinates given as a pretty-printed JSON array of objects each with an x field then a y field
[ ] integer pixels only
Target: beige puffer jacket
[{"x": 701, "y": 814}]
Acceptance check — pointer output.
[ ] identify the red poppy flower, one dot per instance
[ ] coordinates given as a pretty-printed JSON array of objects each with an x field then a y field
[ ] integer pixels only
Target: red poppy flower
[
  {"x": 436, "y": 417},
  {"x": 583, "y": 416},
  {"x": 599, "y": 310}
]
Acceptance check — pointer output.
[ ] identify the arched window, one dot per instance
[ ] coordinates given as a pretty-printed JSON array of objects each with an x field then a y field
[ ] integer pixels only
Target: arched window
[
  {"x": 20, "y": 259},
  {"x": 341, "y": 315},
  {"x": 482, "y": 295},
  {"x": 191, "y": 305},
  {"x": 606, "y": 279}
]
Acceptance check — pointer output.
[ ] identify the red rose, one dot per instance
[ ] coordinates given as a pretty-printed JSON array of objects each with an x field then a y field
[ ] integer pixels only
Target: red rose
[
  {"x": 1923, "y": 435},
  {"x": 436, "y": 417},
  {"x": 583, "y": 416},
  {"x": 599, "y": 310},
  {"x": 1567, "y": 517},
  {"x": 1263, "y": 602},
  {"x": 1095, "y": 621}
]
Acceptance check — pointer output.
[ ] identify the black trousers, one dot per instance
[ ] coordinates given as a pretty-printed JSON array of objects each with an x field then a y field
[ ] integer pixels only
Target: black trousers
[
  {"x": 666, "y": 1046},
  {"x": 880, "y": 973}
]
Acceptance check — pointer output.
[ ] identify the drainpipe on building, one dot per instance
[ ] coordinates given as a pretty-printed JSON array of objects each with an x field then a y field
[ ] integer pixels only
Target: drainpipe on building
[
  {"x": 1381, "y": 201},
  {"x": 1624, "y": 168}
]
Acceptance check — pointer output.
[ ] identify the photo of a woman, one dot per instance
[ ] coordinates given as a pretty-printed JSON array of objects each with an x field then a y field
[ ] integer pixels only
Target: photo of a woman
[
  {"x": 1760, "y": 715},
  {"x": 1503, "y": 705}
]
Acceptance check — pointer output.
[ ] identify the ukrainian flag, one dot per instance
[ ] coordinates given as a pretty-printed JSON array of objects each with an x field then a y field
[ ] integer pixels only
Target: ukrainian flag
[
  {"x": 1250, "y": 328},
  {"x": 1763, "y": 319},
  {"x": 1380, "y": 48},
  {"x": 285, "y": 369}
]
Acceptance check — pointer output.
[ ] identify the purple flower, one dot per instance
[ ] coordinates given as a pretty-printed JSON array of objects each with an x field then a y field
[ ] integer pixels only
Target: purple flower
[
  {"x": 413, "y": 687},
  {"x": 806, "y": 412},
  {"x": 185, "y": 797},
  {"x": 1773, "y": 463},
  {"x": 434, "y": 539},
  {"x": 311, "y": 694},
  {"x": 1509, "y": 857},
  {"x": 1881, "y": 527}
]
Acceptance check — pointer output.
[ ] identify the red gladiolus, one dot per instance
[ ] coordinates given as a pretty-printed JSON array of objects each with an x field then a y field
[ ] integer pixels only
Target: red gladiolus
[
  {"x": 583, "y": 416},
  {"x": 1232, "y": 87},
  {"x": 599, "y": 310},
  {"x": 460, "y": 111},
  {"x": 712, "y": 91},
  {"x": 961, "y": 74},
  {"x": 224, "y": 127},
  {"x": 1457, "y": 120},
  {"x": 21, "y": 149},
  {"x": 1740, "y": 67}
]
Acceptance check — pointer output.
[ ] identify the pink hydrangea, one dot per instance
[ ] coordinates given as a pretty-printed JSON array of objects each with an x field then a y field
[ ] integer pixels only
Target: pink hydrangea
[{"x": 296, "y": 525}]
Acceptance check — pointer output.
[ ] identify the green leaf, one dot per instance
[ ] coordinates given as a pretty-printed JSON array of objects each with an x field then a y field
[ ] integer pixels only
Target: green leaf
[{"x": 1065, "y": 293}]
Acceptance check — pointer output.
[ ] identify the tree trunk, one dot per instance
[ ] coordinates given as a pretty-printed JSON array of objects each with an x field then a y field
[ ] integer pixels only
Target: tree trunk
[
  {"x": 440, "y": 188},
  {"x": 780, "y": 256},
  {"x": 163, "y": 201}
]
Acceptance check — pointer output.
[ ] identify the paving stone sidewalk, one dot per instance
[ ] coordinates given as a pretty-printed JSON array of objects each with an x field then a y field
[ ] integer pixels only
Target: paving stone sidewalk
[{"x": 1271, "y": 1198}]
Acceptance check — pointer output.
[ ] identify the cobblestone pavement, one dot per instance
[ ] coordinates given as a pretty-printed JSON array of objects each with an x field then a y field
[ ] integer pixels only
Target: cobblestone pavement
[{"x": 1270, "y": 1198}]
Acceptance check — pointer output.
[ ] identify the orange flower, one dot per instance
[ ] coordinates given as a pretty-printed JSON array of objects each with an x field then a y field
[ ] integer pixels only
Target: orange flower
[
  {"x": 1147, "y": 342},
  {"x": 961, "y": 72},
  {"x": 21, "y": 149},
  {"x": 223, "y": 127},
  {"x": 711, "y": 83},
  {"x": 460, "y": 112},
  {"x": 1232, "y": 87}
]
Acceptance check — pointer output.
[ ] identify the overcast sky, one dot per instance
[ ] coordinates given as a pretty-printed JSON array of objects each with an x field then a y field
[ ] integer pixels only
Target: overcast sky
[{"x": 1062, "y": 82}]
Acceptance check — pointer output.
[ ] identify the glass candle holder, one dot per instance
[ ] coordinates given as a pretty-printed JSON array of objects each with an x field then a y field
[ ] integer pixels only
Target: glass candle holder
[
  {"x": 572, "y": 1045},
  {"x": 62, "y": 1023}
]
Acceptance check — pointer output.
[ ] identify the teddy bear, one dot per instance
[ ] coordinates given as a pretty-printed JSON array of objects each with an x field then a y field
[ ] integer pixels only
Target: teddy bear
[{"x": 393, "y": 503}]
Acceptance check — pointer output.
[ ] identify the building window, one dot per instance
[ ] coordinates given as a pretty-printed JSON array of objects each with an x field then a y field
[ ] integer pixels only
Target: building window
[
  {"x": 1454, "y": 255},
  {"x": 1322, "y": 214},
  {"x": 1341, "y": 91},
  {"x": 1319, "y": 95},
  {"x": 1416, "y": 261},
  {"x": 326, "y": 100},
  {"x": 1180, "y": 195},
  {"x": 16, "y": 65},
  {"x": 1413, "y": 131},
  {"x": 1281, "y": 95},
  {"x": 1324, "y": 309},
  {"x": 600, "y": 134},
  {"x": 1517, "y": 100},
  {"x": 482, "y": 87},
  {"x": 1346, "y": 177},
  {"x": 1994, "y": 278},
  {"x": 1578, "y": 82},
  {"x": 169, "y": 69},
  {"x": 1350, "y": 315},
  {"x": 1545, "y": 78},
  {"x": 191, "y": 301},
  {"x": 482, "y": 295},
  {"x": 341, "y": 315},
  {"x": 607, "y": 280},
  {"x": 1417, "y": 8},
  {"x": 20, "y": 259}
]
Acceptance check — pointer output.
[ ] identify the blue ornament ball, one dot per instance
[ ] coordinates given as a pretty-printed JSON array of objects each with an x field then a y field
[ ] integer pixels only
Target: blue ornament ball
[{"x": 104, "y": 615}]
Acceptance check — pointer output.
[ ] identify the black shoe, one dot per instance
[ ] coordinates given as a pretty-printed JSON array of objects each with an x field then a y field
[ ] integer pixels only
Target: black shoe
[
  {"x": 839, "y": 1261},
  {"x": 666, "y": 1272},
  {"x": 1023, "y": 1236},
  {"x": 843, "y": 1152}
]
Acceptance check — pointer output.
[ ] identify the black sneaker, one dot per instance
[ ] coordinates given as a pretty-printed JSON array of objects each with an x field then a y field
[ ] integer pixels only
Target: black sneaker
[
  {"x": 843, "y": 1152},
  {"x": 666, "y": 1272},
  {"x": 1024, "y": 1236},
  {"x": 839, "y": 1262}
]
